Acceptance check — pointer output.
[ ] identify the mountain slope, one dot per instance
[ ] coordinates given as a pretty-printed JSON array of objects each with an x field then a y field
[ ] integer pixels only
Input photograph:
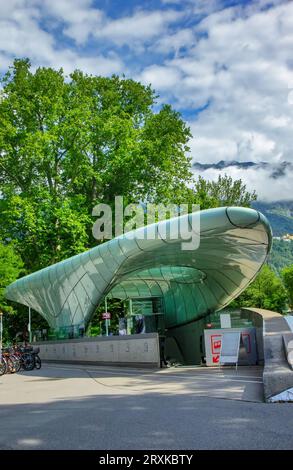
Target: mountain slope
[
  {"x": 275, "y": 170},
  {"x": 281, "y": 255},
  {"x": 279, "y": 214}
]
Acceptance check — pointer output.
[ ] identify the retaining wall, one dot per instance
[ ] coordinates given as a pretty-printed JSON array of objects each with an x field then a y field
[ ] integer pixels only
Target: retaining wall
[
  {"x": 277, "y": 374},
  {"x": 135, "y": 350}
]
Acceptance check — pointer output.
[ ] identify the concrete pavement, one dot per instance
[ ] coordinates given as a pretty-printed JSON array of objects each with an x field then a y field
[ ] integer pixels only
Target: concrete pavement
[{"x": 71, "y": 407}]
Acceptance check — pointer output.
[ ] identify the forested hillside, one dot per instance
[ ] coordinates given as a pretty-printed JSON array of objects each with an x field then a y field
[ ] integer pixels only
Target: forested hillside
[
  {"x": 281, "y": 255},
  {"x": 279, "y": 214}
]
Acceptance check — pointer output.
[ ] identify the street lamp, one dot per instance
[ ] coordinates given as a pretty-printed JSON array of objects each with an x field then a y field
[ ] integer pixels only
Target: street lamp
[
  {"x": 106, "y": 321},
  {"x": 30, "y": 325}
]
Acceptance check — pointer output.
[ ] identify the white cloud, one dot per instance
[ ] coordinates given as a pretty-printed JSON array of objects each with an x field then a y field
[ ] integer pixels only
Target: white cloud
[
  {"x": 162, "y": 78},
  {"x": 139, "y": 27},
  {"x": 34, "y": 28},
  {"x": 213, "y": 148},
  {"x": 82, "y": 20},
  {"x": 79, "y": 17},
  {"x": 96, "y": 65},
  {"x": 184, "y": 38},
  {"x": 241, "y": 66},
  {"x": 19, "y": 31},
  {"x": 22, "y": 35}
]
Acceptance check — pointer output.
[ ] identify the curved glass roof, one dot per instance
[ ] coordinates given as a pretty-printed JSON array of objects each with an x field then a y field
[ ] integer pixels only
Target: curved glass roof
[{"x": 234, "y": 244}]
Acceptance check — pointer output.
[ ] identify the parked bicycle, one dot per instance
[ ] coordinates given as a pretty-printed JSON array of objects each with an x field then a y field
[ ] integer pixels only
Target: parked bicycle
[
  {"x": 29, "y": 357},
  {"x": 15, "y": 358},
  {"x": 37, "y": 359},
  {"x": 10, "y": 361}
]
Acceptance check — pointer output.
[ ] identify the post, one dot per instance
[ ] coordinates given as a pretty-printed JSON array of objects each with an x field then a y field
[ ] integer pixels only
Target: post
[
  {"x": 129, "y": 318},
  {"x": 30, "y": 324},
  {"x": 106, "y": 310}
]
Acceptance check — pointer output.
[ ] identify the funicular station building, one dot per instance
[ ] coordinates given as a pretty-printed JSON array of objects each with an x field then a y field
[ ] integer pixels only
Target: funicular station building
[{"x": 173, "y": 290}]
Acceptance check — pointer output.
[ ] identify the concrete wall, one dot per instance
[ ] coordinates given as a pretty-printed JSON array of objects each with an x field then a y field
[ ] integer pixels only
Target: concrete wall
[
  {"x": 257, "y": 321},
  {"x": 135, "y": 350},
  {"x": 277, "y": 374}
]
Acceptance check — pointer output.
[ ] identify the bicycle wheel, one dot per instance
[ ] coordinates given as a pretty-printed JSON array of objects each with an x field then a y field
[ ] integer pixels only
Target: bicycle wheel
[
  {"x": 28, "y": 362},
  {"x": 3, "y": 366},
  {"x": 38, "y": 362},
  {"x": 11, "y": 366},
  {"x": 17, "y": 363}
]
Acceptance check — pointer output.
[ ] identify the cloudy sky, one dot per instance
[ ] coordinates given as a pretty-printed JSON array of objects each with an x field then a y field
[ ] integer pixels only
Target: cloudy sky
[{"x": 226, "y": 65}]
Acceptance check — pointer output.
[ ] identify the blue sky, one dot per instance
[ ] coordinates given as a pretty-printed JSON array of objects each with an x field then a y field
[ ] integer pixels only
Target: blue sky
[{"x": 227, "y": 66}]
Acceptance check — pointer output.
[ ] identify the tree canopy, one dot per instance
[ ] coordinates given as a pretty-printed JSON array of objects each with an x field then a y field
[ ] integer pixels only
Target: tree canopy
[
  {"x": 11, "y": 266},
  {"x": 287, "y": 276},
  {"x": 67, "y": 143},
  {"x": 281, "y": 255},
  {"x": 223, "y": 192},
  {"x": 266, "y": 291}
]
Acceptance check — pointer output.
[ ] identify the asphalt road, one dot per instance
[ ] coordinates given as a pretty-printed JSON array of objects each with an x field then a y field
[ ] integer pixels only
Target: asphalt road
[{"x": 70, "y": 407}]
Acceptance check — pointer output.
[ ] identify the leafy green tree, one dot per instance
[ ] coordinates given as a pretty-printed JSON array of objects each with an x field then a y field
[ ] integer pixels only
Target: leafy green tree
[
  {"x": 287, "y": 276},
  {"x": 67, "y": 144},
  {"x": 223, "y": 192},
  {"x": 266, "y": 291},
  {"x": 11, "y": 266}
]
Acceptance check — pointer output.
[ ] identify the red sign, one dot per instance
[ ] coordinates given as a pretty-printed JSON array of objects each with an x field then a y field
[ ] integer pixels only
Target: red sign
[
  {"x": 216, "y": 343},
  {"x": 106, "y": 315}
]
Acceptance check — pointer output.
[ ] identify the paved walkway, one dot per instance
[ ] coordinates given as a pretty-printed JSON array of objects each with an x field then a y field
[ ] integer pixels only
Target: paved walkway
[{"x": 71, "y": 407}]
